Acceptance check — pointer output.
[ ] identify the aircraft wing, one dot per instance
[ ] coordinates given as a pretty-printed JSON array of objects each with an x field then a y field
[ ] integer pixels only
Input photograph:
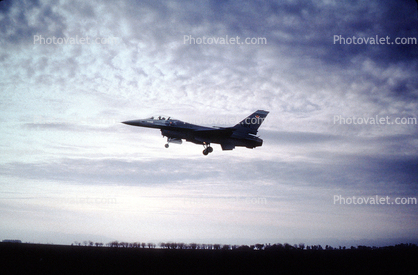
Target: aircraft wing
[{"x": 218, "y": 132}]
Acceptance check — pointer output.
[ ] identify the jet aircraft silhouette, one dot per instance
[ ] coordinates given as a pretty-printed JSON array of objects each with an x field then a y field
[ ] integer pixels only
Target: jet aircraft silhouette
[{"x": 243, "y": 134}]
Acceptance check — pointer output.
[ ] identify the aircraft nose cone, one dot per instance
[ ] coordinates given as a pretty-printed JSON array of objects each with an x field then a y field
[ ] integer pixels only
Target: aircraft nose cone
[{"x": 132, "y": 122}]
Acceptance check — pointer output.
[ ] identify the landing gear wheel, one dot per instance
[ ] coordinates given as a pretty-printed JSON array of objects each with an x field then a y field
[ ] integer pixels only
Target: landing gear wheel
[
  {"x": 166, "y": 146},
  {"x": 208, "y": 149}
]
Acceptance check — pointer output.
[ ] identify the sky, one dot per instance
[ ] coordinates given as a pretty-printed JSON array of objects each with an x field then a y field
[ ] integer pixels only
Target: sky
[{"x": 339, "y": 162}]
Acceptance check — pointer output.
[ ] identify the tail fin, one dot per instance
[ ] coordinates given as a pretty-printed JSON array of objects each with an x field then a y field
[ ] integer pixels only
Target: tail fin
[{"x": 251, "y": 123}]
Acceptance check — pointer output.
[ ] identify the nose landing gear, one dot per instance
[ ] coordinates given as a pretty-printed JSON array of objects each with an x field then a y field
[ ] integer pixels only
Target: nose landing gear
[{"x": 172, "y": 140}]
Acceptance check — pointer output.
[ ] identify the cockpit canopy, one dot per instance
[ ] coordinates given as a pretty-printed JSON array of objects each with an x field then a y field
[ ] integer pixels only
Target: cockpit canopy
[{"x": 161, "y": 117}]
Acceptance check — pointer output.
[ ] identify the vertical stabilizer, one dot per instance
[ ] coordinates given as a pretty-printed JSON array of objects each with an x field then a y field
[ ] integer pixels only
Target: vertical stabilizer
[{"x": 251, "y": 123}]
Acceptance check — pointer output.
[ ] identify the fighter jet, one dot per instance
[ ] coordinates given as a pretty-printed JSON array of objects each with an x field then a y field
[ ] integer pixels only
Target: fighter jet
[{"x": 243, "y": 134}]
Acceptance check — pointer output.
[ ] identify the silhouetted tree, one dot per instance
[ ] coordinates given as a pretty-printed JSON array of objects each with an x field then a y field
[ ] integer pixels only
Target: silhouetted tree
[
  {"x": 279, "y": 246},
  {"x": 287, "y": 246},
  {"x": 244, "y": 247},
  {"x": 226, "y": 247},
  {"x": 113, "y": 244}
]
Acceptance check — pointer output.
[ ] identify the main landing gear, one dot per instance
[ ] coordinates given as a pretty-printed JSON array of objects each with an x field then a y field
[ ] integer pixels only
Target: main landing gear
[{"x": 208, "y": 149}]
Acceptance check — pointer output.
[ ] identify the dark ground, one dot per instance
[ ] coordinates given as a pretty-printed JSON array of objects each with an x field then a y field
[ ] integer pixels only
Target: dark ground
[{"x": 58, "y": 259}]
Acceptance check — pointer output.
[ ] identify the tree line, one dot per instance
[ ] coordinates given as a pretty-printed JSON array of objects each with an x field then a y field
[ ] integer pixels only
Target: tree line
[{"x": 255, "y": 247}]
